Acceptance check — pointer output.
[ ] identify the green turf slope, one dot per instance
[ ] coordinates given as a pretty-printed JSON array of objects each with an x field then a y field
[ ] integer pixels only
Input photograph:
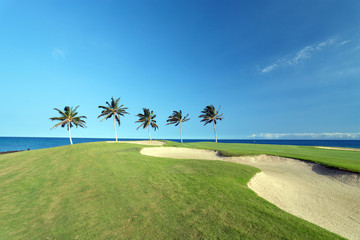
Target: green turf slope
[
  {"x": 111, "y": 191},
  {"x": 341, "y": 159}
]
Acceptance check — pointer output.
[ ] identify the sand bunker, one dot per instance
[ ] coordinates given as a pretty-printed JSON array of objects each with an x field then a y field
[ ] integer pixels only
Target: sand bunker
[
  {"x": 151, "y": 143},
  {"x": 329, "y": 198},
  {"x": 337, "y": 148}
]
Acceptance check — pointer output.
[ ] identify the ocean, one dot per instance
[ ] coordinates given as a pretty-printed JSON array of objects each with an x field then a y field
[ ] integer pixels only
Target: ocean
[{"x": 32, "y": 143}]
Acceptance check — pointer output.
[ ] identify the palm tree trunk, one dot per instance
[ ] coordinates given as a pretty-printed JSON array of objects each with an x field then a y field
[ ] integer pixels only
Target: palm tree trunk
[
  {"x": 149, "y": 132},
  {"x": 215, "y": 132},
  {"x": 180, "y": 134},
  {"x": 70, "y": 134},
  {"x": 115, "y": 129}
]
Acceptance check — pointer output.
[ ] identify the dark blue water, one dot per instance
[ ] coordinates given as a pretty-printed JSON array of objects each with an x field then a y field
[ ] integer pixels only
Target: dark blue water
[
  {"x": 24, "y": 143},
  {"x": 32, "y": 143}
]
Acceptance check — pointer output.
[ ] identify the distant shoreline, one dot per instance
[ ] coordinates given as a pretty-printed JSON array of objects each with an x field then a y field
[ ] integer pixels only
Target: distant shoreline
[{"x": 11, "y": 152}]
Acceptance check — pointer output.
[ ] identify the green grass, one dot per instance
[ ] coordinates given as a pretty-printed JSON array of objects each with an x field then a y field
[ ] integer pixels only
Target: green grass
[
  {"x": 111, "y": 191},
  {"x": 341, "y": 159}
]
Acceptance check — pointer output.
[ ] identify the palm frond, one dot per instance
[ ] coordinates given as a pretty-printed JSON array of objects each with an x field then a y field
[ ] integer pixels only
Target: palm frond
[
  {"x": 147, "y": 118},
  {"x": 113, "y": 109},
  {"x": 154, "y": 125},
  {"x": 61, "y": 112},
  {"x": 176, "y": 118},
  {"x": 57, "y": 118},
  {"x": 106, "y": 116},
  {"x": 68, "y": 117},
  {"x": 210, "y": 115},
  {"x": 117, "y": 118},
  {"x": 185, "y": 119},
  {"x": 141, "y": 125},
  {"x": 56, "y": 125}
]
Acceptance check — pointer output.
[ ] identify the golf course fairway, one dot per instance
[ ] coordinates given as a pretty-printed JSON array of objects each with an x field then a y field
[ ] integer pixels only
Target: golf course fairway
[{"x": 111, "y": 191}]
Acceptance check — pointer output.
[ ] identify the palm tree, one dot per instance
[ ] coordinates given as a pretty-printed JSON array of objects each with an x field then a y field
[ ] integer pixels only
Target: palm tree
[
  {"x": 211, "y": 115},
  {"x": 113, "y": 110},
  {"x": 176, "y": 118},
  {"x": 147, "y": 120},
  {"x": 69, "y": 118}
]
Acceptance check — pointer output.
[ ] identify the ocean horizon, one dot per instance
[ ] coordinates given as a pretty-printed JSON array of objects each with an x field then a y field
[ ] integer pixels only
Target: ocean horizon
[{"x": 33, "y": 143}]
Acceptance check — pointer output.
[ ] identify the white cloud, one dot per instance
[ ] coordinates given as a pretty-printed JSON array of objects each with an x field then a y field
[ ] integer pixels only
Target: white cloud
[
  {"x": 307, "y": 135},
  {"x": 269, "y": 68},
  {"x": 57, "y": 53},
  {"x": 305, "y": 53},
  {"x": 325, "y": 44},
  {"x": 344, "y": 42}
]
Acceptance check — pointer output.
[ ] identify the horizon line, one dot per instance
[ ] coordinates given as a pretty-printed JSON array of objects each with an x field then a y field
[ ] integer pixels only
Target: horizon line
[{"x": 248, "y": 139}]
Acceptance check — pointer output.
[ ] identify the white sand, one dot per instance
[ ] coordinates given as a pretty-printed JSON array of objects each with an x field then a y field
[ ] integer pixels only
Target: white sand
[
  {"x": 326, "y": 197},
  {"x": 337, "y": 148},
  {"x": 148, "y": 142}
]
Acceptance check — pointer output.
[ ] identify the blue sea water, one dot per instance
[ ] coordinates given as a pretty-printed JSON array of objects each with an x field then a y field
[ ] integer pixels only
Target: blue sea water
[{"x": 32, "y": 143}]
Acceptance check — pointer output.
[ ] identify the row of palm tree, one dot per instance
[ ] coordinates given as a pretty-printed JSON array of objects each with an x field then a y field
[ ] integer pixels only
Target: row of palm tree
[{"x": 69, "y": 117}]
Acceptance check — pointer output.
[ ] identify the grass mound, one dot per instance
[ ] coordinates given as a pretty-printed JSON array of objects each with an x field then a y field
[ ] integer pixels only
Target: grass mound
[{"x": 110, "y": 191}]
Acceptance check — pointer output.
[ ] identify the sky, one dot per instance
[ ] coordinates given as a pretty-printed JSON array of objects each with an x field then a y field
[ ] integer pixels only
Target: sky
[{"x": 278, "y": 69}]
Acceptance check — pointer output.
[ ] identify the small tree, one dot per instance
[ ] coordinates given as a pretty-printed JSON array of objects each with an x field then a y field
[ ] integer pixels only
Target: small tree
[
  {"x": 210, "y": 115},
  {"x": 147, "y": 120},
  {"x": 68, "y": 118},
  {"x": 176, "y": 118},
  {"x": 113, "y": 110}
]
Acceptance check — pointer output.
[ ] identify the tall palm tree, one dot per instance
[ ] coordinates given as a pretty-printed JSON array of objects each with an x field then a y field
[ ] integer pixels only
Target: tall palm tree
[
  {"x": 209, "y": 114},
  {"x": 69, "y": 118},
  {"x": 177, "y": 118},
  {"x": 113, "y": 110},
  {"x": 147, "y": 120}
]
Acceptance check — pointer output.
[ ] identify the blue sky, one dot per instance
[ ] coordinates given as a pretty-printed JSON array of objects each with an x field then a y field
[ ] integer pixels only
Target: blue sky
[{"x": 279, "y": 69}]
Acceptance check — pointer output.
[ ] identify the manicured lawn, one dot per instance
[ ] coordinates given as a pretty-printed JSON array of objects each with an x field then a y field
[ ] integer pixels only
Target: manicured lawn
[
  {"x": 342, "y": 159},
  {"x": 110, "y": 191}
]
